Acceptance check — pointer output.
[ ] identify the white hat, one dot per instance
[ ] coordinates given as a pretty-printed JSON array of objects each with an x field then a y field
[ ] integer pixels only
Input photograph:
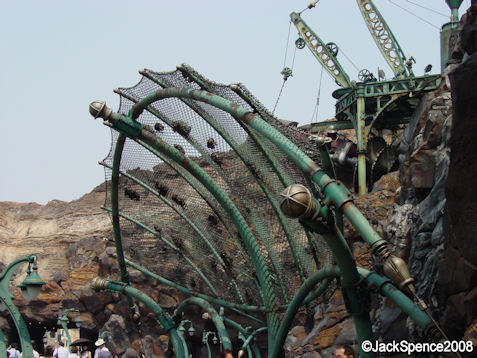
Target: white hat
[{"x": 99, "y": 342}]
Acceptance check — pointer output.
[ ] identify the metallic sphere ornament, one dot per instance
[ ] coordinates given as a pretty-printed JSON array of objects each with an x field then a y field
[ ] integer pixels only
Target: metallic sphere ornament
[
  {"x": 296, "y": 201},
  {"x": 333, "y": 48},
  {"x": 300, "y": 43},
  {"x": 99, "y": 109}
]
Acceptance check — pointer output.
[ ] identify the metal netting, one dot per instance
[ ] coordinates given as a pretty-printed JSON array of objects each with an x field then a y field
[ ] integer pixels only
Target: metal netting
[{"x": 172, "y": 225}]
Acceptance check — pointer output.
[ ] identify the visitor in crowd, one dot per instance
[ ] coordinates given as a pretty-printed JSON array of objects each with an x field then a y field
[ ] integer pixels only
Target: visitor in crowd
[
  {"x": 35, "y": 353},
  {"x": 13, "y": 351},
  {"x": 74, "y": 353},
  {"x": 48, "y": 352},
  {"x": 226, "y": 353},
  {"x": 85, "y": 353},
  {"x": 61, "y": 351},
  {"x": 101, "y": 348},
  {"x": 344, "y": 352}
]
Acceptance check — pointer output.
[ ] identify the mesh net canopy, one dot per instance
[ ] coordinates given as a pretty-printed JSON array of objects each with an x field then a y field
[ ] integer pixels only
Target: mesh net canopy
[{"x": 172, "y": 225}]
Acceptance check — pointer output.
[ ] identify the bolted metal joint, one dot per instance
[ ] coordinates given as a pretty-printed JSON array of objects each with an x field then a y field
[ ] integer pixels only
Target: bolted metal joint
[
  {"x": 98, "y": 283},
  {"x": 98, "y": 109}
]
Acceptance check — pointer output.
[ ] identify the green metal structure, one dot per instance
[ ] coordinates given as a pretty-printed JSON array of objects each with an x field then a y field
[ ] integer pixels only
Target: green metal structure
[
  {"x": 63, "y": 321},
  {"x": 30, "y": 287},
  {"x": 369, "y": 103},
  {"x": 205, "y": 189}
]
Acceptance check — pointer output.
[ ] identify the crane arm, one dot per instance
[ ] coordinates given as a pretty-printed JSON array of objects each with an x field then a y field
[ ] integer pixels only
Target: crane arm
[
  {"x": 384, "y": 38},
  {"x": 320, "y": 51}
]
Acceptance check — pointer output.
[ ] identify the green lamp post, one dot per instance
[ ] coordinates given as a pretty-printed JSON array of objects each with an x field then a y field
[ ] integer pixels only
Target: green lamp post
[
  {"x": 205, "y": 339},
  {"x": 63, "y": 321},
  {"x": 30, "y": 287}
]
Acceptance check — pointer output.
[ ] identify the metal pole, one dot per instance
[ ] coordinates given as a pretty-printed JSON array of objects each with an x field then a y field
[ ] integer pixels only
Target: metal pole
[
  {"x": 6, "y": 299},
  {"x": 215, "y": 317},
  {"x": 361, "y": 139}
]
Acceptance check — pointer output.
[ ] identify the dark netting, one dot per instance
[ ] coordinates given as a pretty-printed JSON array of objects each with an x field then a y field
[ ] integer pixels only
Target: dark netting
[{"x": 173, "y": 226}]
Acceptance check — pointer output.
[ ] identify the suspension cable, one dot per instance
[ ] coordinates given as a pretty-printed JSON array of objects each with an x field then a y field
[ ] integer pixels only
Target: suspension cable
[
  {"x": 317, "y": 105},
  {"x": 288, "y": 44},
  {"x": 278, "y": 98},
  {"x": 434, "y": 11},
  {"x": 349, "y": 59},
  {"x": 420, "y": 18}
]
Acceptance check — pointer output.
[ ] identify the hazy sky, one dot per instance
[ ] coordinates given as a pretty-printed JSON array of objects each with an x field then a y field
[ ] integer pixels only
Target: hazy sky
[{"x": 58, "y": 56}]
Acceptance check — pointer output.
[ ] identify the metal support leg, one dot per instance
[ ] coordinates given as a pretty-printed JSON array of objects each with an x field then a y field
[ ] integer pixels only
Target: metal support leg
[{"x": 361, "y": 139}]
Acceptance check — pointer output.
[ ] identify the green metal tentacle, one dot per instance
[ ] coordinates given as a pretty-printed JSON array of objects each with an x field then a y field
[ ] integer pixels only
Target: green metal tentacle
[
  {"x": 232, "y": 143},
  {"x": 115, "y": 217},
  {"x": 128, "y": 126},
  {"x": 163, "y": 318},
  {"x": 214, "y": 316}
]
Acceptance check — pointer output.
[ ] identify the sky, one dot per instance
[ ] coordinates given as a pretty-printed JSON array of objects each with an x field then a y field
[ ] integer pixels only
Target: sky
[{"x": 58, "y": 56}]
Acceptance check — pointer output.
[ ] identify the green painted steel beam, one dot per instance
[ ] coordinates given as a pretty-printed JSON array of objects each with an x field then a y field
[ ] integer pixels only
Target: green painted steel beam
[
  {"x": 118, "y": 150},
  {"x": 384, "y": 38},
  {"x": 232, "y": 143},
  {"x": 162, "y": 317},
  {"x": 214, "y": 316},
  {"x": 6, "y": 299},
  {"x": 387, "y": 288},
  {"x": 324, "y": 276},
  {"x": 321, "y": 51},
  {"x": 245, "y": 232},
  {"x": 245, "y": 331}
]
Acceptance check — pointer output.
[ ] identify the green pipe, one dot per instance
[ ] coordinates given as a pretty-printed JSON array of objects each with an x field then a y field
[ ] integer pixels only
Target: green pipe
[
  {"x": 3, "y": 346},
  {"x": 308, "y": 285},
  {"x": 244, "y": 231},
  {"x": 387, "y": 288},
  {"x": 191, "y": 224},
  {"x": 6, "y": 298},
  {"x": 245, "y": 332},
  {"x": 232, "y": 143},
  {"x": 163, "y": 318},
  {"x": 236, "y": 307},
  {"x": 334, "y": 191},
  {"x": 68, "y": 336},
  {"x": 115, "y": 216},
  {"x": 172, "y": 246},
  {"x": 361, "y": 144},
  {"x": 214, "y": 316},
  {"x": 276, "y": 168},
  {"x": 252, "y": 336}
]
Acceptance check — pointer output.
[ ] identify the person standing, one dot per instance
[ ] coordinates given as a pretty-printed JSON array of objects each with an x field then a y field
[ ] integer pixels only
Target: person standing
[
  {"x": 74, "y": 353},
  {"x": 344, "y": 352},
  {"x": 13, "y": 351},
  {"x": 85, "y": 352},
  {"x": 101, "y": 347},
  {"x": 61, "y": 351}
]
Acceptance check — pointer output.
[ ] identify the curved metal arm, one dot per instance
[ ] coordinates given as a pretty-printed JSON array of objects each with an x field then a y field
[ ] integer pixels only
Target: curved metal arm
[
  {"x": 216, "y": 318},
  {"x": 6, "y": 299},
  {"x": 321, "y": 51},
  {"x": 384, "y": 38},
  {"x": 162, "y": 316}
]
